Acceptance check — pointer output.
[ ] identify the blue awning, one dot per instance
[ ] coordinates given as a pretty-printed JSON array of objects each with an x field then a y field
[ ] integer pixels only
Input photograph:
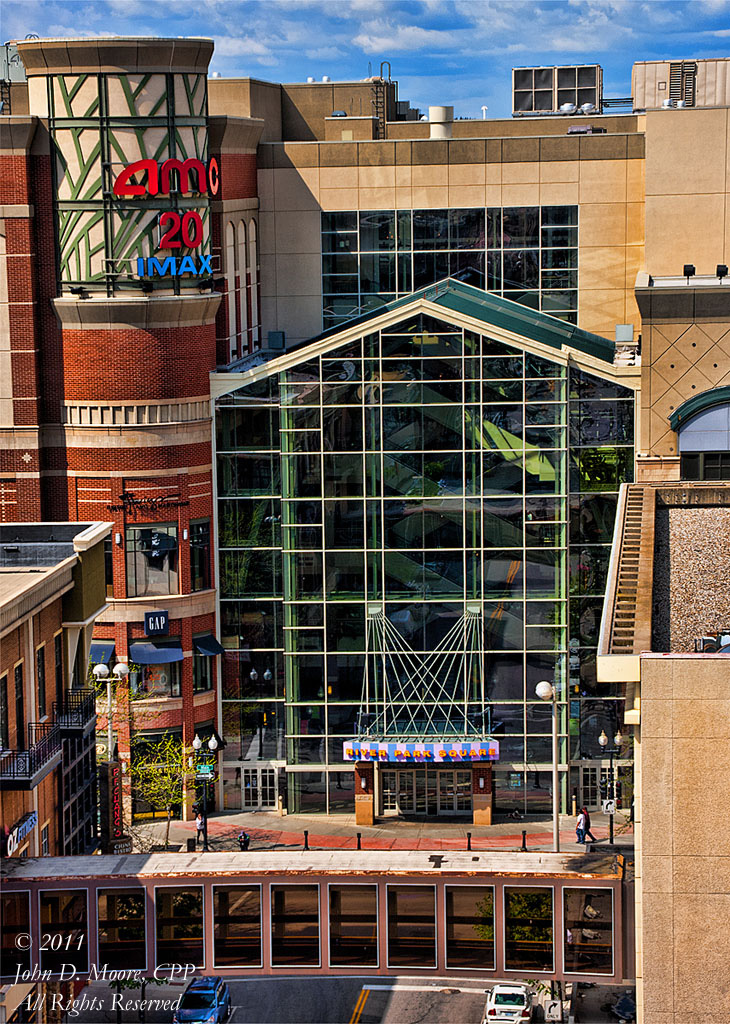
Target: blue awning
[
  {"x": 102, "y": 652},
  {"x": 155, "y": 654},
  {"x": 208, "y": 645}
]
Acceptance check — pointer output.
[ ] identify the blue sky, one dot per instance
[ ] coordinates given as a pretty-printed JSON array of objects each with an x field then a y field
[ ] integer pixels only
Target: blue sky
[{"x": 456, "y": 52}]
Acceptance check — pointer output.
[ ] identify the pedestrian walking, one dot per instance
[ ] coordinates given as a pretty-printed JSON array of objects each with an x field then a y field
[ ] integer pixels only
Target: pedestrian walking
[
  {"x": 580, "y": 827},
  {"x": 243, "y": 840},
  {"x": 587, "y": 830},
  {"x": 199, "y": 829}
]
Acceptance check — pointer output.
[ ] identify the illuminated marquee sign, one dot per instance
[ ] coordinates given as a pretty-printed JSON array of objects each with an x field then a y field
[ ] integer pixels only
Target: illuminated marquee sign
[
  {"x": 177, "y": 229},
  {"x": 421, "y": 753}
]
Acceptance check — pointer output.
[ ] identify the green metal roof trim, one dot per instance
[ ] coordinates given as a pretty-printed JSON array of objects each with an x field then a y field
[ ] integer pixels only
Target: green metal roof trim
[
  {"x": 695, "y": 404},
  {"x": 491, "y": 309}
]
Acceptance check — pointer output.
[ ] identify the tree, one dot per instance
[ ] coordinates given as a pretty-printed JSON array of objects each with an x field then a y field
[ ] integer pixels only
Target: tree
[{"x": 158, "y": 773}]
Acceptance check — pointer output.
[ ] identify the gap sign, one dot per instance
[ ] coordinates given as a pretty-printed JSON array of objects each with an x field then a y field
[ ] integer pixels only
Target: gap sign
[{"x": 156, "y": 623}]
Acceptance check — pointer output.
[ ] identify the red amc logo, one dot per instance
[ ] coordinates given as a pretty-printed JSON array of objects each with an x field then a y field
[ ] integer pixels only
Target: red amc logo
[{"x": 207, "y": 179}]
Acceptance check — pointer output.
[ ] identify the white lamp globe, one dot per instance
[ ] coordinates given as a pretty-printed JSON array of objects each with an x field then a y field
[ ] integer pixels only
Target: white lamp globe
[
  {"x": 545, "y": 690},
  {"x": 100, "y": 671},
  {"x": 197, "y": 742},
  {"x": 212, "y": 743},
  {"x": 121, "y": 669}
]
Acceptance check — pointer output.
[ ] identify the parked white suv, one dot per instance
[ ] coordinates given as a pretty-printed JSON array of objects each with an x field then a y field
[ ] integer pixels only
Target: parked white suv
[{"x": 510, "y": 1002}]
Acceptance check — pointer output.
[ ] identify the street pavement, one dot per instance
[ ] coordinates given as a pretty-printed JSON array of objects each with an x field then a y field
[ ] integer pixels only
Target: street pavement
[{"x": 269, "y": 831}]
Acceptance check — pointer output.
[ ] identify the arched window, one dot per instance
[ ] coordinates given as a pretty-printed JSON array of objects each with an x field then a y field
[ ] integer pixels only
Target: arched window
[
  {"x": 231, "y": 289},
  {"x": 703, "y": 425},
  {"x": 242, "y": 296},
  {"x": 253, "y": 262}
]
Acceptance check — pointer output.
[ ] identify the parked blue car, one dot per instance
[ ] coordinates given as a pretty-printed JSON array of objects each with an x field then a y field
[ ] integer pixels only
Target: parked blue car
[{"x": 205, "y": 1001}]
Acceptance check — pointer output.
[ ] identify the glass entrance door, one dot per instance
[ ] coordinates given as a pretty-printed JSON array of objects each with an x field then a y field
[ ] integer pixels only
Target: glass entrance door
[
  {"x": 398, "y": 791},
  {"x": 589, "y": 792},
  {"x": 425, "y": 791},
  {"x": 259, "y": 789},
  {"x": 454, "y": 792}
]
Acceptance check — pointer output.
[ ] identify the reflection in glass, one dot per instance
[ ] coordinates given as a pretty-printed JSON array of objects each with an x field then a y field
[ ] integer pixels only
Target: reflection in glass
[
  {"x": 411, "y": 926},
  {"x": 14, "y": 922},
  {"x": 179, "y": 925},
  {"x": 353, "y": 925},
  {"x": 236, "y": 926},
  {"x": 122, "y": 928},
  {"x": 528, "y": 928},
  {"x": 470, "y": 926},
  {"x": 588, "y": 940},
  {"x": 295, "y": 926},
  {"x": 63, "y": 913}
]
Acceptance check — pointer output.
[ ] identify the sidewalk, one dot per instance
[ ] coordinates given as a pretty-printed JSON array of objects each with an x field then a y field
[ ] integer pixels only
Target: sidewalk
[{"x": 268, "y": 831}]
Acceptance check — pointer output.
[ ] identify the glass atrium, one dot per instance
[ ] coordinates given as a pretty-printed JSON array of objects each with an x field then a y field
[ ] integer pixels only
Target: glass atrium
[{"x": 414, "y": 524}]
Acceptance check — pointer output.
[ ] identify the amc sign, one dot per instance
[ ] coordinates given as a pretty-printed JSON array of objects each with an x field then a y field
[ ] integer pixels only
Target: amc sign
[
  {"x": 156, "y": 623},
  {"x": 177, "y": 229}
]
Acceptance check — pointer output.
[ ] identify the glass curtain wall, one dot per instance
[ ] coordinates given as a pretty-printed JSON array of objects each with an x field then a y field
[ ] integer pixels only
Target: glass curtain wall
[
  {"x": 526, "y": 253},
  {"x": 414, "y": 531}
]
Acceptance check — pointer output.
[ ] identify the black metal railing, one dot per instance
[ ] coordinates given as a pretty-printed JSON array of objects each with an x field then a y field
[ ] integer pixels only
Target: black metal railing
[
  {"x": 44, "y": 742},
  {"x": 76, "y": 709}
]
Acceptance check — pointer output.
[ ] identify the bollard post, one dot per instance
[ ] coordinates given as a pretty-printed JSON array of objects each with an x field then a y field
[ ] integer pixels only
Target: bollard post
[
  {"x": 359, "y": 840},
  {"x": 306, "y": 840},
  {"x": 468, "y": 840},
  {"x": 524, "y": 841}
]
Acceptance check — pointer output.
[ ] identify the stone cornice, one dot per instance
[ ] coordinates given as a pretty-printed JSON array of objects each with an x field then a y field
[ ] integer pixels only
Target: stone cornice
[
  {"x": 234, "y": 134},
  {"x": 110, "y": 314},
  {"x": 123, "y": 55}
]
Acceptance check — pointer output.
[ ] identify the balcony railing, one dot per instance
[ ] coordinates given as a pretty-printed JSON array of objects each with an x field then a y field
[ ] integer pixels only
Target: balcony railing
[
  {"x": 24, "y": 769},
  {"x": 76, "y": 710}
]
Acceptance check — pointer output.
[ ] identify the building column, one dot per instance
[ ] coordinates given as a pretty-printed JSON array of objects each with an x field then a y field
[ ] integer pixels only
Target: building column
[
  {"x": 364, "y": 794},
  {"x": 481, "y": 785}
]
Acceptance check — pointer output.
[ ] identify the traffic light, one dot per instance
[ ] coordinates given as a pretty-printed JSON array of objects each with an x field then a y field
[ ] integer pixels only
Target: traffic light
[{"x": 603, "y": 788}]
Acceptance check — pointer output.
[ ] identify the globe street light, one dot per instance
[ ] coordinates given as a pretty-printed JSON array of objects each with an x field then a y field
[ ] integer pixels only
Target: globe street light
[
  {"x": 547, "y": 692},
  {"x": 612, "y": 752},
  {"x": 197, "y": 747}
]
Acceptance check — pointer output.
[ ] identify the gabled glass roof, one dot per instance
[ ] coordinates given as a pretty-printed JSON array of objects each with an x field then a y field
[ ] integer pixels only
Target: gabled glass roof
[{"x": 490, "y": 310}]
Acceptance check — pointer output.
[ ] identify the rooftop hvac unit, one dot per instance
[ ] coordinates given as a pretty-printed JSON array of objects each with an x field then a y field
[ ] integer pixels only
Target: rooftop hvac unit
[{"x": 557, "y": 90}]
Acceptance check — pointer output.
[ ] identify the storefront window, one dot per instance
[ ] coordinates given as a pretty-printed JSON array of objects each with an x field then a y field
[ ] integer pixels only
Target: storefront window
[
  {"x": 470, "y": 926},
  {"x": 64, "y": 914},
  {"x": 14, "y": 923},
  {"x": 151, "y": 560},
  {"x": 295, "y": 926},
  {"x": 157, "y": 680},
  {"x": 411, "y": 926},
  {"x": 237, "y": 926},
  {"x": 353, "y": 925},
  {"x": 528, "y": 928},
  {"x": 200, "y": 555},
  {"x": 122, "y": 929},
  {"x": 179, "y": 925},
  {"x": 588, "y": 940},
  {"x": 202, "y": 673}
]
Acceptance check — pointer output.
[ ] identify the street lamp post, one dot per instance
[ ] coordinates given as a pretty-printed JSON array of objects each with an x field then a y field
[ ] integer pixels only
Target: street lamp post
[
  {"x": 547, "y": 692},
  {"x": 212, "y": 747},
  {"x": 612, "y": 752}
]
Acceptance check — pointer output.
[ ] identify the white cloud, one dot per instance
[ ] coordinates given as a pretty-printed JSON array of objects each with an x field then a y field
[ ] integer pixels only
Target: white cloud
[
  {"x": 241, "y": 46},
  {"x": 389, "y": 37}
]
